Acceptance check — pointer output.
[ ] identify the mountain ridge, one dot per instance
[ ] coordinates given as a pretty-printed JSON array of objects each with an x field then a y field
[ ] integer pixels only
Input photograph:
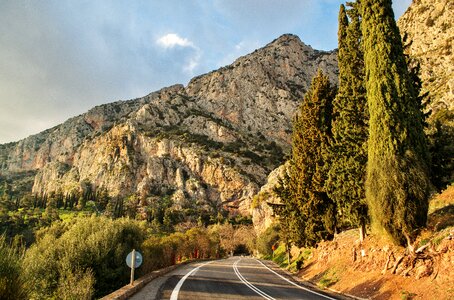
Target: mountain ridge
[{"x": 212, "y": 142}]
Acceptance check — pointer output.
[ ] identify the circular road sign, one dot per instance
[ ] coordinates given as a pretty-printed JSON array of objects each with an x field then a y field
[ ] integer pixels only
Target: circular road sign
[{"x": 138, "y": 261}]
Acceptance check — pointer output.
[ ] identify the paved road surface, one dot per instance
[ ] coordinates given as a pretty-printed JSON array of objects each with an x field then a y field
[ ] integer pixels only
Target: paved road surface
[{"x": 232, "y": 278}]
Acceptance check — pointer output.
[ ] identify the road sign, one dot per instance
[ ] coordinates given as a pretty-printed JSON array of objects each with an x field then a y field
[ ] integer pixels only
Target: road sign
[{"x": 138, "y": 259}]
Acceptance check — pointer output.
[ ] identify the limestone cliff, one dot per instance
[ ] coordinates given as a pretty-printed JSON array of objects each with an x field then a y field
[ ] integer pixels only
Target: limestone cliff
[
  {"x": 430, "y": 30},
  {"x": 210, "y": 144}
]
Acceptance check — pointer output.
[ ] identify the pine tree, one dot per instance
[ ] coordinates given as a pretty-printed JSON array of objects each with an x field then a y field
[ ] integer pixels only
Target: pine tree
[
  {"x": 350, "y": 128},
  {"x": 310, "y": 213},
  {"x": 397, "y": 184}
]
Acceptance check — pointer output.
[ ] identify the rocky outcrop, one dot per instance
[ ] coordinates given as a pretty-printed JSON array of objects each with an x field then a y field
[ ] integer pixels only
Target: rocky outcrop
[
  {"x": 429, "y": 27},
  {"x": 210, "y": 144},
  {"x": 262, "y": 212}
]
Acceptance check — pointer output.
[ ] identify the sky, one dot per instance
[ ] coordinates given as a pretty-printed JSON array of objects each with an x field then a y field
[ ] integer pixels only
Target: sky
[{"x": 59, "y": 58}]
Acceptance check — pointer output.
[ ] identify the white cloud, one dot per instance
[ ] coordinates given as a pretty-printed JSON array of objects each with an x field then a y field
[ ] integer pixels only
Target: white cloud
[
  {"x": 192, "y": 63},
  {"x": 172, "y": 39}
]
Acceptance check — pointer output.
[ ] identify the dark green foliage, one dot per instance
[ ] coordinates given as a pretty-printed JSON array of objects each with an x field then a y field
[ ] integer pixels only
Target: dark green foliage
[
  {"x": 290, "y": 218},
  {"x": 309, "y": 212},
  {"x": 441, "y": 147},
  {"x": 348, "y": 151},
  {"x": 397, "y": 186},
  {"x": 439, "y": 127}
]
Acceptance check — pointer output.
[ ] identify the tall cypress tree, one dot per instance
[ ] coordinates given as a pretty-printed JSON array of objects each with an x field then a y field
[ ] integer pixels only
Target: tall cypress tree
[
  {"x": 397, "y": 184},
  {"x": 309, "y": 165},
  {"x": 350, "y": 125}
]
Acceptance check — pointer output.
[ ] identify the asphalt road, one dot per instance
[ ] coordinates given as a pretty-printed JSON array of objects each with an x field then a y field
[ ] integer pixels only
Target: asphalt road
[{"x": 232, "y": 278}]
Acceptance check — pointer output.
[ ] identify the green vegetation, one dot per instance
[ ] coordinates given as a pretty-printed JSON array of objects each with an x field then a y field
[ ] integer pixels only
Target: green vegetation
[
  {"x": 12, "y": 284},
  {"x": 366, "y": 157},
  {"x": 348, "y": 151},
  {"x": 269, "y": 238},
  {"x": 397, "y": 185},
  {"x": 310, "y": 214},
  {"x": 87, "y": 250},
  {"x": 441, "y": 147},
  {"x": 328, "y": 278},
  {"x": 84, "y": 257}
]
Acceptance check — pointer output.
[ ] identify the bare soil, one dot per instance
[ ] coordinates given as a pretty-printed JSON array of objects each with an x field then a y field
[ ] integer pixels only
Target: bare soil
[{"x": 377, "y": 269}]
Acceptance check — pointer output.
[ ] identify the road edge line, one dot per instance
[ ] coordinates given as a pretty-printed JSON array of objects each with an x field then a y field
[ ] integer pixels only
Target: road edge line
[{"x": 295, "y": 284}]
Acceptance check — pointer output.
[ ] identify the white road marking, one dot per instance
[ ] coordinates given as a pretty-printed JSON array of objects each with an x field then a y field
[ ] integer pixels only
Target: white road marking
[
  {"x": 248, "y": 284},
  {"x": 177, "y": 288},
  {"x": 297, "y": 285}
]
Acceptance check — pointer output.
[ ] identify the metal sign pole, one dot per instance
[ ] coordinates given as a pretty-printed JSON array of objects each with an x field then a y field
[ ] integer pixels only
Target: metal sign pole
[{"x": 133, "y": 265}]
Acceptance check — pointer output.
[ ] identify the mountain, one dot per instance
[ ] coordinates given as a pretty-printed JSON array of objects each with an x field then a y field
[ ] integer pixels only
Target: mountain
[
  {"x": 429, "y": 27},
  {"x": 208, "y": 145},
  {"x": 430, "y": 34}
]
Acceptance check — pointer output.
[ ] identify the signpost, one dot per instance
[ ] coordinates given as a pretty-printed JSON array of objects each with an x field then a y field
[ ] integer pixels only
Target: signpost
[{"x": 133, "y": 260}]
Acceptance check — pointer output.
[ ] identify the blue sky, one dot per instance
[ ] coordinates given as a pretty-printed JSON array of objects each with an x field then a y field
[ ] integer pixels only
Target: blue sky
[{"x": 60, "y": 58}]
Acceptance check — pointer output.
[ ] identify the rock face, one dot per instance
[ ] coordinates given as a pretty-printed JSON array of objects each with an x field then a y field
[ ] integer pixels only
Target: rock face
[
  {"x": 262, "y": 213},
  {"x": 210, "y": 144},
  {"x": 429, "y": 26}
]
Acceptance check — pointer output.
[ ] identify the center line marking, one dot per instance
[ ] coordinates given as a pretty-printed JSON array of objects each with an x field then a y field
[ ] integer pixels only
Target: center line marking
[{"x": 248, "y": 284}]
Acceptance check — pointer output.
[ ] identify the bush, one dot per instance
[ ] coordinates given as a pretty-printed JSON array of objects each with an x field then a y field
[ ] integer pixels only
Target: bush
[
  {"x": 12, "y": 285},
  {"x": 91, "y": 251},
  {"x": 267, "y": 239}
]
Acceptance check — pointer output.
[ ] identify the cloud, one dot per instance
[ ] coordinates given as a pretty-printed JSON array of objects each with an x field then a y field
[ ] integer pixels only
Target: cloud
[
  {"x": 172, "y": 39},
  {"x": 192, "y": 63},
  {"x": 192, "y": 53}
]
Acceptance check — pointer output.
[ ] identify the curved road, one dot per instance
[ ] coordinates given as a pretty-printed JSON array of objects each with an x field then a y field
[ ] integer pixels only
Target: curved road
[{"x": 232, "y": 278}]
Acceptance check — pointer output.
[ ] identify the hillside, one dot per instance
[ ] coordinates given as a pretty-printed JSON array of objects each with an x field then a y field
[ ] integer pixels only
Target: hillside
[
  {"x": 377, "y": 269},
  {"x": 209, "y": 144}
]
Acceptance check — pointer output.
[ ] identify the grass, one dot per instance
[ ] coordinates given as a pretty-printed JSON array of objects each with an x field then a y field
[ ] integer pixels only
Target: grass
[
  {"x": 441, "y": 211},
  {"x": 328, "y": 278},
  {"x": 280, "y": 256},
  {"x": 442, "y": 200},
  {"x": 406, "y": 295}
]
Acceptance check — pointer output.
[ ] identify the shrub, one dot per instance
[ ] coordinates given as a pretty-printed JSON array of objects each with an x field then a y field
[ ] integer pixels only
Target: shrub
[
  {"x": 12, "y": 285},
  {"x": 267, "y": 239},
  {"x": 91, "y": 251}
]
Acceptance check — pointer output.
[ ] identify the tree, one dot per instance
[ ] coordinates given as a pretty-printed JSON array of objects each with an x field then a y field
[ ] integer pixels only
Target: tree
[
  {"x": 441, "y": 147},
  {"x": 89, "y": 250},
  {"x": 397, "y": 185},
  {"x": 312, "y": 131},
  {"x": 289, "y": 216},
  {"x": 309, "y": 213},
  {"x": 268, "y": 238},
  {"x": 227, "y": 238},
  {"x": 346, "y": 177}
]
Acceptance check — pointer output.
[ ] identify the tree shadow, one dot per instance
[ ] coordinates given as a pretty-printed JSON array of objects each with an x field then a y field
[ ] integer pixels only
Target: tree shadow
[
  {"x": 442, "y": 218},
  {"x": 319, "y": 276},
  {"x": 304, "y": 270},
  {"x": 370, "y": 289}
]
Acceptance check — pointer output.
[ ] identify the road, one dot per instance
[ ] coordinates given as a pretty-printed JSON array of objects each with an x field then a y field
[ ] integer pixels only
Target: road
[{"x": 232, "y": 278}]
